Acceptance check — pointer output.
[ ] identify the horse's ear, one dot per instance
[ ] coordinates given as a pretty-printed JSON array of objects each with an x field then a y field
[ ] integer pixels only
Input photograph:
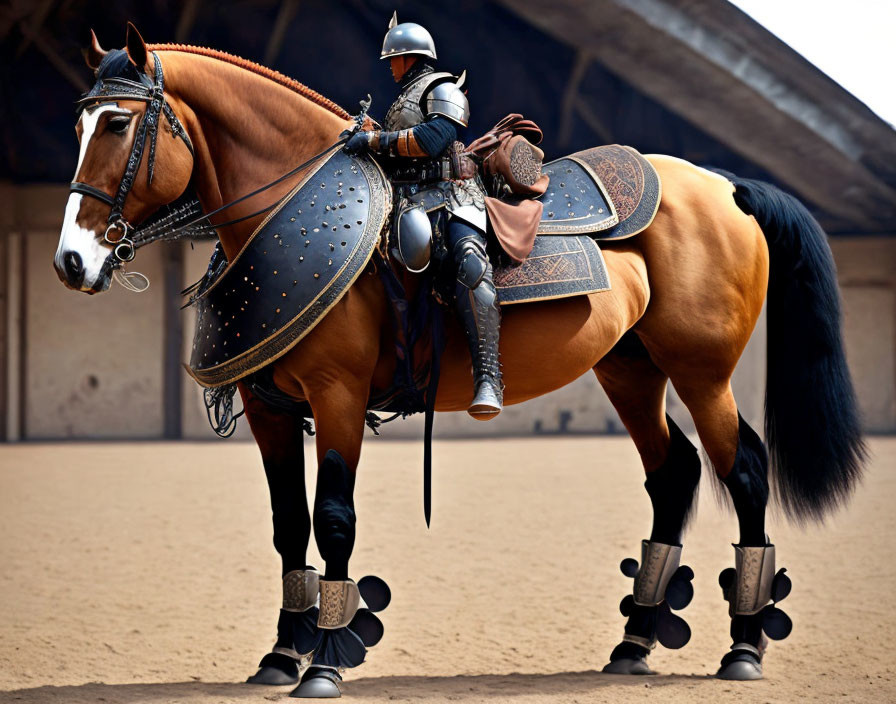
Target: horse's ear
[
  {"x": 136, "y": 48},
  {"x": 94, "y": 53}
]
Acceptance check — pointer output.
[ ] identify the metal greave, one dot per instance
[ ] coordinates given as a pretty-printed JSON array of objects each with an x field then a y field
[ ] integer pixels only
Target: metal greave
[
  {"x": 478, "y": 310},
  {"x": 476, "y": 300}
]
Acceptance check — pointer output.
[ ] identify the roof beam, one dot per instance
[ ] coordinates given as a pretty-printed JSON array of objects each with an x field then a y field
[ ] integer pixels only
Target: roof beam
[{"x": 714, "y": 66}]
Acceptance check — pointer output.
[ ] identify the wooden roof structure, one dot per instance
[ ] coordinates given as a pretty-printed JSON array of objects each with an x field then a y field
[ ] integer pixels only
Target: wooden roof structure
[{"x": 698, "y": 79}]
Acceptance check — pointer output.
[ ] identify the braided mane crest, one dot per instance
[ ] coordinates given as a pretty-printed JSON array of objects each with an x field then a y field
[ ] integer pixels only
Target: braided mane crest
[{"x": 258, "y": 69}]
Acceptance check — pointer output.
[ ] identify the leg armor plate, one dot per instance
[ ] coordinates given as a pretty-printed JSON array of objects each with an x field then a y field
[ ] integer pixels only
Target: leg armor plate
[
  {"x": 300, "y": 590},
  {"x": 658, "y": 564},
  {"x": 748, "y": 588},
  {"x": 752, "y": 588},
  {"x": 414, "y": 239},
  {"x": 339, "y": 602},
  {"x": 477, "y": 306}
]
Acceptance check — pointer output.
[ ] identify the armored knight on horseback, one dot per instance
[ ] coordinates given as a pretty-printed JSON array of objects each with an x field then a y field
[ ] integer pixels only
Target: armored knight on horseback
[{"x": 416, "y": 146}]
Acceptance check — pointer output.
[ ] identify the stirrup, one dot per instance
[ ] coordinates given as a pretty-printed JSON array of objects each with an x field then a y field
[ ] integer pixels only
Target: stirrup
[{"x": 488, "y": 401}]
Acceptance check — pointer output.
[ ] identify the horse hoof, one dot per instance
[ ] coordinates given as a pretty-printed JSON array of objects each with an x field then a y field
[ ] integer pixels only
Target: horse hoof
[
  {"x": 318, "y": 683},
  {"x": 742, "y": 669},
  {"x": 273, "y": 676},
  {"x": 628, "y": 666}
]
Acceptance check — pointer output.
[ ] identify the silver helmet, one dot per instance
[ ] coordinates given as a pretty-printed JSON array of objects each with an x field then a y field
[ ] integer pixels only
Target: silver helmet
[{"x": 407, "y": 38}]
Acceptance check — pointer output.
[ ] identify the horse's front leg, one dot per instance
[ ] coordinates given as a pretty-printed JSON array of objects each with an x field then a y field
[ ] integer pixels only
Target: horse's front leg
[
  {"x": 279, "y": 436},
  {"x": 346, "y": 626}
]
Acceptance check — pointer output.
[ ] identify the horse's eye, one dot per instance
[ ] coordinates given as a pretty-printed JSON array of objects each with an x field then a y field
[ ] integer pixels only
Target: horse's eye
[{"x": 119, "y": 125}]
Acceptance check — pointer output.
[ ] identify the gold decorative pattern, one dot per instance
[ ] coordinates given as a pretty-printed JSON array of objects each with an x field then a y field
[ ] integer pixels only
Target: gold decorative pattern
[
  {"x": 339, "y": 602},
  {"x": 300, "y": 589},
  {"x": 558, "y": 267},
  {"x": 621, "y": 173}
]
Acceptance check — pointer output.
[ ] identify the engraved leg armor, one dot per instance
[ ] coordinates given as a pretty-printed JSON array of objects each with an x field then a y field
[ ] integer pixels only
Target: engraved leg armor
[
  {"x": 748, "y": 588},
  {"x": 296, "y": 630},
  {"x": 661, "y": 585},
  {"x": 477, "y": 306}
]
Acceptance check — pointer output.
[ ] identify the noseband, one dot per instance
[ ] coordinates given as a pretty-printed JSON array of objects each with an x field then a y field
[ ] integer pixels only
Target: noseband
[{"x": 152, "y": 92}]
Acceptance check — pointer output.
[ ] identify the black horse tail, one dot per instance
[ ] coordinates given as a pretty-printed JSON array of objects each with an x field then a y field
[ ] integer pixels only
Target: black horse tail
[{"x": 812, "y": 422}]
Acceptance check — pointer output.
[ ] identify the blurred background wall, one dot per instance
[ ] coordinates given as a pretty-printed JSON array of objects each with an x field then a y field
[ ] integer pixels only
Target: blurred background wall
[{"x": 697, "y": 80}]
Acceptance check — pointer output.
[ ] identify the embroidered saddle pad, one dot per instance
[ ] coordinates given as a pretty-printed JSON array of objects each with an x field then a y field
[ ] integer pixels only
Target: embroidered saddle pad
[
  {"x": 608, "y": 192},
  {"x": 294, "y": 268},
  {"x": 557, "y": 267}
]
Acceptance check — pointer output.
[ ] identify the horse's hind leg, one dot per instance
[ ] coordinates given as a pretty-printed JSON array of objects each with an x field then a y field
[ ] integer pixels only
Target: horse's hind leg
[
  {"x": 637, "y": 388},
  {"x": 279, "y": 437},
  {"x": 741, "y": 462}
]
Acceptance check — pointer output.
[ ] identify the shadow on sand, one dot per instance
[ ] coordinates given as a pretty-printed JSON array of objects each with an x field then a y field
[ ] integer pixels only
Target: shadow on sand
[{"x": 417, "y": 688}]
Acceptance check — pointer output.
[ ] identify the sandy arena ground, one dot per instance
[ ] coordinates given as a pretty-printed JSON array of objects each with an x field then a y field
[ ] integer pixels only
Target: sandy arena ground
[{"x": 145, "y": 573}]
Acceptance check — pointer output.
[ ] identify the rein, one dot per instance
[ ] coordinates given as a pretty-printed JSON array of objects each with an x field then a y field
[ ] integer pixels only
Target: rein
[{"x": 187, "y": 220}]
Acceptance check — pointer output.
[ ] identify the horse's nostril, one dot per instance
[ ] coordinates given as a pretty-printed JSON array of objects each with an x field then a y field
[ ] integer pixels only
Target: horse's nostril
[{"x": 74, "y": 268}]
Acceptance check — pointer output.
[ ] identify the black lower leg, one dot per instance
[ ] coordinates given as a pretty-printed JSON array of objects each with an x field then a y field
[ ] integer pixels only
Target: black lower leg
[
  {"x": 747, "y": 483},
  {"x": 289, "y": 507},
  {"x": 334, "y": 515},
  {"x": 280, "y": 440},
  {"x": 748, "y": 486},
  {"x": 671, "y": 488}
]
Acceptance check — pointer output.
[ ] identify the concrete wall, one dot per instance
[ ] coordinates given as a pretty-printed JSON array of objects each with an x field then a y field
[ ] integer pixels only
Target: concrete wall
[
  {"x": 866, "y": 268},
  {"x": 77, "y": 366}
]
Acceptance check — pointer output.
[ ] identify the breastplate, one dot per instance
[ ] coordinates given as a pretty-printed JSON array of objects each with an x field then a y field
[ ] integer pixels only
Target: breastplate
[{"x": 405, "y": 111}]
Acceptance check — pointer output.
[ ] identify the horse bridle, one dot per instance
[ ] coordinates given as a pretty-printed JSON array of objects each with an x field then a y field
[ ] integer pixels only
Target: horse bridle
[
  {"x": 152, "y": 92},
  {"x": 188, "y": 220}
]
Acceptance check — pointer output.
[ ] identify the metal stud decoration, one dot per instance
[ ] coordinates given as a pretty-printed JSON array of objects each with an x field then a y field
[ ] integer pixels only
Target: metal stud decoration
[{"x": 266, "y": 317}]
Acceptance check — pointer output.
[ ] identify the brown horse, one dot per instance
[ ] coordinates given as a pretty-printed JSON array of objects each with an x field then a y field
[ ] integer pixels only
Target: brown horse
[{"x": 685, "y": 298}]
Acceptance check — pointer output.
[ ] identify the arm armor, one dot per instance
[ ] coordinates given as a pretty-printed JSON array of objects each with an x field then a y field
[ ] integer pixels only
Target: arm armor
[
  {"x": 428, "y": 139},
  {"x": 400, "y": 143}
]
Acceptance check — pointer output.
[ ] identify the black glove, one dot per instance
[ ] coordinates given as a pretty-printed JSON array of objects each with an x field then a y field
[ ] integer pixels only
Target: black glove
[{"x": 357, "y": 144}]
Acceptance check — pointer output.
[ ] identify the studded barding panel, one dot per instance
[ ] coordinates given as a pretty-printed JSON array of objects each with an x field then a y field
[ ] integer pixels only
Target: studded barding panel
[
  {"x": 295, "y": 267},
  {"x": 575, "y": 202}
]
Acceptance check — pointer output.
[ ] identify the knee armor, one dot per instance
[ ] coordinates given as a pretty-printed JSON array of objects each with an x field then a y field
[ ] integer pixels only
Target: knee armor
[{"x": 472, "y": 261}]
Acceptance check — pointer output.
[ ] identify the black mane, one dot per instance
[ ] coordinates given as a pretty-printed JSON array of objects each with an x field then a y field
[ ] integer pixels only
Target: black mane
[{"x": 116, "y": 64}]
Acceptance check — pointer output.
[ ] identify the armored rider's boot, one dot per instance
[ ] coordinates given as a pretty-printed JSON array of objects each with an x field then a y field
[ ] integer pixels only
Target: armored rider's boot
[{"x": 477, "y": 306}]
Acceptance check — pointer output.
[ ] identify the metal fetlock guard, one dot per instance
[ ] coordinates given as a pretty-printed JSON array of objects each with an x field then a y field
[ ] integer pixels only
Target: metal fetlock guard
[
  {"x": 658, "y": 563},
  {"x": 300, "y": 589},
  {"x": 339, "y": 602},
  {"x": 752, "y": 588}
]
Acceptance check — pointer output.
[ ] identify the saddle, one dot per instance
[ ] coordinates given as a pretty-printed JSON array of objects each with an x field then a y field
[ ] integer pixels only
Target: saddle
[
  {"x": 609, "y": 193},
  {"x": 600, "y": 194}
]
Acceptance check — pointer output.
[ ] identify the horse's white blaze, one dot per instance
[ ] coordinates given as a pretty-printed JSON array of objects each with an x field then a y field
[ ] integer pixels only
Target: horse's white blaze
[
  {"x": 75, "y": 238},
  {"x": 89, "y": 120}
]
